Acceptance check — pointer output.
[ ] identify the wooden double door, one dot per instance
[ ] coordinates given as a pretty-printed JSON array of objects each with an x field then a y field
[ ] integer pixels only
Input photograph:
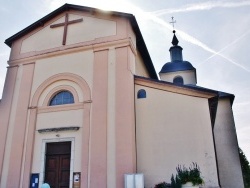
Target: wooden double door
[{"x": 57, "y": 165}]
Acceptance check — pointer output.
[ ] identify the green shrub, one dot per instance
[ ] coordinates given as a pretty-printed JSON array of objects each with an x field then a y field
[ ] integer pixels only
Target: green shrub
[
  {"x": 162, "y": 185},
  {"x": 184, "y": 175}
]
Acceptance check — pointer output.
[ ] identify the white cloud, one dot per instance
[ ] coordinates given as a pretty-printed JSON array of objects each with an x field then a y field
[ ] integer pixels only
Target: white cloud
[
  {"x": 246, "y": 103},
  {"x": 204, "y": 6},
  {"x": 4, "y": 54},
  {"x": 104, "y": 5},
  {"x": 3, "y": 9}
]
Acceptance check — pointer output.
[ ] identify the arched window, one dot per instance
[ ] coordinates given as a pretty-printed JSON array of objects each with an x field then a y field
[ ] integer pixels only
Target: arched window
[
  {"x": 63, "y": 97},
  {"x": 178, "y": 80},
  {"x": 141, "y": 94}
]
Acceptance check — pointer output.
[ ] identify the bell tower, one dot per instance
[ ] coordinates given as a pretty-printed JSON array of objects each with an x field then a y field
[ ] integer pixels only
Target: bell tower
[{"x": 178, "y": 71}]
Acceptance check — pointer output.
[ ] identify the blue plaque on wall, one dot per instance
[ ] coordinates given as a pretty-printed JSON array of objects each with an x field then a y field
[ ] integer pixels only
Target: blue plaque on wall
[{"x": 34, "y": 180}]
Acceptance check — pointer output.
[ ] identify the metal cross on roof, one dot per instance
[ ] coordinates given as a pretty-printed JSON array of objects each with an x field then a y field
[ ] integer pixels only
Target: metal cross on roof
[
  {"x": 173, "y": 22},
  {"x": 65, "y": 25}
]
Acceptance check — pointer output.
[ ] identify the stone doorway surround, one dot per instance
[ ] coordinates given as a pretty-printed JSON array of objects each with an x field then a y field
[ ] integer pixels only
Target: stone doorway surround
[{"x": 43, "y": 160}]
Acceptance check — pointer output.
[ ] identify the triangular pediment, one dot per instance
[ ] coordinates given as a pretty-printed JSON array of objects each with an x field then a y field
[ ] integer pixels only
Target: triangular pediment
[
  {"x": 96, "y": 27},
  {"x": 68, "y": 29}
]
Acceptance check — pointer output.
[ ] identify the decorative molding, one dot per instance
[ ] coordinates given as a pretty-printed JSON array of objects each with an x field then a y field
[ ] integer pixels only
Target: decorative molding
[
  {"x": 11, "y": 66},
  {"x": 79, "y": 47},
  {"x": 62, "y": 76},
  {"x": 28, "y": 63},
  {"x": 88, "y": 101},
  {"x": 56, "y": 108},
  {"x": 172, "y": 88},
  {"x": 59, "y": 129},
  {"x": 32, "y": 107}
]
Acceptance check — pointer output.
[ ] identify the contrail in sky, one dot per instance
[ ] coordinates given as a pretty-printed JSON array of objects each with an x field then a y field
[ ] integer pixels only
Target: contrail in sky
[
  {"x": 188, "y": 37},
  {"x": 223, "y": 49},
  {"x": 125, "y": 5},
  {"x": 203, "y": 6}
]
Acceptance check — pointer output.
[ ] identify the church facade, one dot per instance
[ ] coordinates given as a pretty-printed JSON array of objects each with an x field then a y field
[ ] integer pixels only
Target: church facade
[{"x": 82, "y": 106}]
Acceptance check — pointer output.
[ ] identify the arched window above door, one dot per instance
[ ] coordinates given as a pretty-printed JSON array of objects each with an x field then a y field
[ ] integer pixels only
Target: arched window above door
[{"x": 62, "y": 97}]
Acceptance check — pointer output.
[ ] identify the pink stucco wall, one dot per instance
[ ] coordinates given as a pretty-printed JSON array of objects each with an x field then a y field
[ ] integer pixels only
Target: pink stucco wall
[
  {"x": 5, "y": 109},
  {"x": 18, "y": 137}
]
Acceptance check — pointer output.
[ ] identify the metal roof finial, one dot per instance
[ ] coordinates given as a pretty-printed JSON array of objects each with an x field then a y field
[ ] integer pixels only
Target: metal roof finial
[
  {"x": 174, "y": 40},
  {"x": 173, "y": 22}
]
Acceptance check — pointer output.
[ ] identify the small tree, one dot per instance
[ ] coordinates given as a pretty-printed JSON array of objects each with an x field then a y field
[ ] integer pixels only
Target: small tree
[{"x": 245, "y": 169}]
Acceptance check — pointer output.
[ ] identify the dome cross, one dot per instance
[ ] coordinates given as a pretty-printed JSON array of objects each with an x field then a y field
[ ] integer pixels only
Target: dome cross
[{"x": 173, "y": 22}]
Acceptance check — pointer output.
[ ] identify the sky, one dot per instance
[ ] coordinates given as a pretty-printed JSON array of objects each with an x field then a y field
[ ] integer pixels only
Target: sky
[{"x": 214, "y": 35}]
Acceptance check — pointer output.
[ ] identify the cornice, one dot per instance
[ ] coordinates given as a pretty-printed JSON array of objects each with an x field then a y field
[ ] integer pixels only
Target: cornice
[{"x": 34, "y": 56}]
